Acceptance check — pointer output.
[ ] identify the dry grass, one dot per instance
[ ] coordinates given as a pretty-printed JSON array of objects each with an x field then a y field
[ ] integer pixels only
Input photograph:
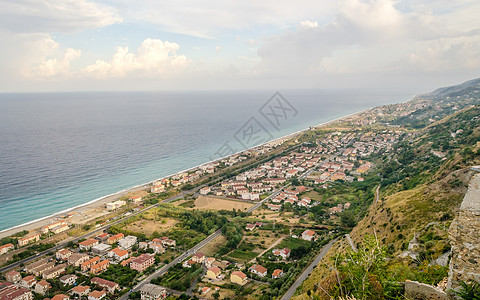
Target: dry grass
[
  {"x": 149, "y": 226},
  {"x": 204, "y": 202},
  {"x": 211, "y": 248}
]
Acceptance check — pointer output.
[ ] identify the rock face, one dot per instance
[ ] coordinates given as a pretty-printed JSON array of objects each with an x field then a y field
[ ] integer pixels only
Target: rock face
[
  {"x": 421, "y": 291},
  {"x": 464, "y": 237}
]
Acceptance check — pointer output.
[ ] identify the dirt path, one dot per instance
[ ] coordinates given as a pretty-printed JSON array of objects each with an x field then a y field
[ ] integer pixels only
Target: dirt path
[{"x": 271, "y": 246}]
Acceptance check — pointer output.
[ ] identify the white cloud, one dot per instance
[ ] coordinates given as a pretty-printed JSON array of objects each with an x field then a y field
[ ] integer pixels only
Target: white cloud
[
  {"x": 154, "y": 57},
  {"x": 368, "y": 36},
  {"x": 48, "y": 16},
  {"x": 216, "y": 18}
]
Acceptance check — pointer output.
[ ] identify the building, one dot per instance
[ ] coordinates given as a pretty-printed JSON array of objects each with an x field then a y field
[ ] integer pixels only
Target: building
[
  {"x": 68, "y": 279},
  {"x": 118, "y": 254},
  {"x": 63, "y": 254},
  {"x": 28, "y": 282},
  {"x": 127, "y": 242},
  {"x": 88, "y": 244},
  {"x": 250, "y": 227},
  {"x": 100, "y": 267},
  {"x": 166, "y": 242},
  {"x": 77, "y": 259},
  {"x": 5, "y": 248},
  {"x": 60, "y": 297},
  {"x": 115, "y": 205},
  {"x": 152, "y": 292},
  {"x": 9, "y": 291},
  {"x": 198, "y": 257},
  {"x": 89, "y": 263},
  {"x": 142, "y": 262},
  {"x": 277, "y": 273},
  {"x": 97, "y": 295},
  {"x": 213, "y": 272},
  {"x": 135, "y": 199},
  {"x": 157, "y": 189},
  {"x": 42, "y": 287},
  {"x": 13, "y": 276},
  {"x": 258, "y": 270},
  {"x": 101, "y": 249},
  {"x": 308, "y": 235},
  {"x": 29, "y": 239},
  {"x": 54, "y": 272},
  {"x": 107, "y": 285},
  {"x": 238, "y": 277},
  {"x": 115, "y": 238},
  {"x": 81, "y": 290}
]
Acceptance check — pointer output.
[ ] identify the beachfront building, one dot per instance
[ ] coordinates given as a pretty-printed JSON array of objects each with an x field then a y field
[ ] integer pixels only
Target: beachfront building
[
  {"x": 107, "y": 285},
  {"x": 87, "y": 244},
  {"x": 142, "y": 262},
  {"x": 115, "y": 204},
  {"x": 29, "y": 239},
  {"x": 47, "y": 228},
  {"x": 135, "y": 199},
  {"x": 152, "y": 292},
  {"x": 238, "y": 277},
  {"x": 5, "y": 248}
]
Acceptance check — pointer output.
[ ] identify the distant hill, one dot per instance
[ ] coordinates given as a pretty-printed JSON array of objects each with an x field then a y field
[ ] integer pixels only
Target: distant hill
[{"x": 422, "y": 186}]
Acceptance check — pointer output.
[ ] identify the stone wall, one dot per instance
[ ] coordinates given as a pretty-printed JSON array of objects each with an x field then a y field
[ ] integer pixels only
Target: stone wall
[{"x": 464, "y": 234}]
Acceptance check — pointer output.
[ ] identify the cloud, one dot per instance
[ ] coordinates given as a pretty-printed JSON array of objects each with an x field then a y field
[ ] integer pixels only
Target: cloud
[
  {"x": 217, "y": 18},
  {"x": 364, "y": 36},
  {"x": 49, "y": 16},
  {"x": 154, "y": 58}
]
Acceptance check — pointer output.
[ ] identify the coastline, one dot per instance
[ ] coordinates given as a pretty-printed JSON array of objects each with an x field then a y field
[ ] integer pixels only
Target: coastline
[{"x": 101, "y": 201}]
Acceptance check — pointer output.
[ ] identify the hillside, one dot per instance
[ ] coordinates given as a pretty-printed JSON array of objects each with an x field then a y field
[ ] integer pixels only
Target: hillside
[{"x": 422, "y": 186}]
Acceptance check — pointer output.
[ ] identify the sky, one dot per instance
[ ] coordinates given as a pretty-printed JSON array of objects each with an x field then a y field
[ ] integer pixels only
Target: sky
[{"x": 117, "y": 45}]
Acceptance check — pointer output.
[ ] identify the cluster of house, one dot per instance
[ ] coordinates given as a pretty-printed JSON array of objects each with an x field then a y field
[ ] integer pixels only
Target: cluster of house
[
  {"x": 93, "y": 256},
  {"x": 290, "y": 196},
  {"x": 56, "y": 227},
  {"x": 339, "y": 208},
  {"x": 18, "y": 288}
]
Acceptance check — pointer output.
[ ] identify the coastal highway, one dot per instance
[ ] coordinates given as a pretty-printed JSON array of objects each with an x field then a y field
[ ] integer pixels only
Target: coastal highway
[{"x": 307, "y": 271}]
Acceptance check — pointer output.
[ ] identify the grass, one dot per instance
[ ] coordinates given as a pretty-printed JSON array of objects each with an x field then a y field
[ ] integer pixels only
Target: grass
[{"x": 243, "y": 255}]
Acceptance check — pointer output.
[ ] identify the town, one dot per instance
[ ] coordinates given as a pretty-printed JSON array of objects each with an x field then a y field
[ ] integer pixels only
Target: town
[{"x": 271, "y": 219}]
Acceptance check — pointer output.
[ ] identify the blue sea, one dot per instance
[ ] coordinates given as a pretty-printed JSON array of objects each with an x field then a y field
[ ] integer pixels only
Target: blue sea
[{"x": 60, "y": 150}]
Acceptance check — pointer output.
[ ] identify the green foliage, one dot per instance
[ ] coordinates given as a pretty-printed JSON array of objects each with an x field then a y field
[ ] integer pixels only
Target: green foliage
[
  {"x": 124, "y": 276},
  {"x": 469, "y": 291},
  {"x": 178, "y": 277}
]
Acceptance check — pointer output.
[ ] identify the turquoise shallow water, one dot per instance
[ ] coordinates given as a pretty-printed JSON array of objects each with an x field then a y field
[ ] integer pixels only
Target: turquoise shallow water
[{"x": 61, "y": 150}]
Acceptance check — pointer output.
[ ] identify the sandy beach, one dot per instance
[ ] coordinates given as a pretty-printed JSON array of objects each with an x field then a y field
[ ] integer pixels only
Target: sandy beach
[{"x": 94, "y": 209}]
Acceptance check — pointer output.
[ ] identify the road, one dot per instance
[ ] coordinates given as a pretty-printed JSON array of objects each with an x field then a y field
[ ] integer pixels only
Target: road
[{"x": 307, "y": 271}]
